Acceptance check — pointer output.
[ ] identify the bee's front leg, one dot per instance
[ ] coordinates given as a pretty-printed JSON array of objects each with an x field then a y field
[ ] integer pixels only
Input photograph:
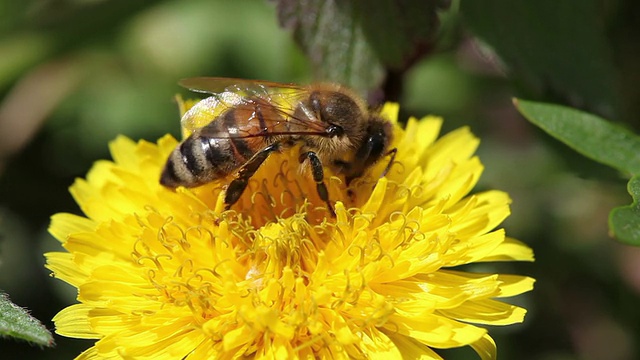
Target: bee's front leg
[
  {"x": 318, "y": 177},
  {"x": 237, "y": 186}
]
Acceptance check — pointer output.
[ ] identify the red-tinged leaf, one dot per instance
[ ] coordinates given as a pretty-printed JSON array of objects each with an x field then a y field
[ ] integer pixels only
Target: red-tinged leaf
[{"x": 357, "y": 42}]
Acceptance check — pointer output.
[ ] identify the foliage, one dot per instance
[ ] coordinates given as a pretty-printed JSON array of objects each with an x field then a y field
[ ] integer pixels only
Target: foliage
[
  {"x": 358, "y": 44},
  {"x": 15, "y": 322},
  {"x": 601, "y": 141},
  {"x": 624, "y": 221}
]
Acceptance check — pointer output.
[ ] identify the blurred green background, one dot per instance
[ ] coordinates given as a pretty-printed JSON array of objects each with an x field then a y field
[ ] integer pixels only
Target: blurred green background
[{"x": 76, "y": 73}]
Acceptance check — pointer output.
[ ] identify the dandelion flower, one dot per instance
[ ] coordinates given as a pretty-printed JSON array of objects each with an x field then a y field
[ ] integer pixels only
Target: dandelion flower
[{"x": 171, "y": 275}]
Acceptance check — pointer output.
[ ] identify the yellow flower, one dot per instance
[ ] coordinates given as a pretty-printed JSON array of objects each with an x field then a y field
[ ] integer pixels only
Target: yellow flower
[{"x": 170, "y": 275}]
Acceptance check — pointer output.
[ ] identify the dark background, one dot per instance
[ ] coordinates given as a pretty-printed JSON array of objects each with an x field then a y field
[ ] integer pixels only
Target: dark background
[{"x": 76, "y": 73}]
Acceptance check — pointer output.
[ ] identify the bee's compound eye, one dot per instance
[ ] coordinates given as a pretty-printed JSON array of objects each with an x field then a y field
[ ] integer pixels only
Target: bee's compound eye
[{"x": 335, "y": 130}]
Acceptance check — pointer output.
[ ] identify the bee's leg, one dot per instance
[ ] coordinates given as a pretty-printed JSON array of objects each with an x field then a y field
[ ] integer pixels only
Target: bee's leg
[
  {"x": 346, "y": 168},
  {"x": 318, "y": 177},
  {"x": 237, "y": 186},
  {"x": 393, "y": 153}
]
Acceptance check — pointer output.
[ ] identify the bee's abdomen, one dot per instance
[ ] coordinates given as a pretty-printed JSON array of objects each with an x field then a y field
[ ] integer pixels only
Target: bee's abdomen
[
  {"x": 199, "y": 160},
  {"x": 215, "y": 150}
]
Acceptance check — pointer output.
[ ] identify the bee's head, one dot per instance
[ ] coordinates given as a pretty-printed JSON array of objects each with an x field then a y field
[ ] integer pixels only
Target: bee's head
[
  {"x": 373, "y": 147},
  {"x": 342, "y": 109}
]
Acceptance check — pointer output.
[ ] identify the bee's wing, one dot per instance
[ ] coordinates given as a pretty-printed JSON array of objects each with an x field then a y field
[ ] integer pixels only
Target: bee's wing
[
  {"x": 274, "y": 119},
  {"x": 207, "y": 110},
  {"x": 279, "y": 101},
  {"x": 217, "y": 85}
]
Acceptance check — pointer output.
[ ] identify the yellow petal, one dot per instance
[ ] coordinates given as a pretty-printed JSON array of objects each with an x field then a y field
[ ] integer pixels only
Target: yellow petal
[
  {"x": 486, "y": 312},
  {"x": 64, "y": 224},
  {"x": 511, "y": 285},
  {"x": 486, "y": 348},
  {"x": 412, "y": 349},
  {"x": 377, "y": 345},
  {"x": 65, "y": 268},
  {"x": 510, "y": 250},
  {"x": 74, "y": 321},
  {"x": 436, "y": 331},
  {"x": 237, "y": 338}
]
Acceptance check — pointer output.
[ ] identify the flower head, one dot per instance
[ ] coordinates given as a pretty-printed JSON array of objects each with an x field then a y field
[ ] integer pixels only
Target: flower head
[{"x": 165, "y": 275}]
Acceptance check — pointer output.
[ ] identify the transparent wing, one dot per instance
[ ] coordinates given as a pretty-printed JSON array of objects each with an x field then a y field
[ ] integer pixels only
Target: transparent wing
[
  {"x": 278, "y": 103},
  {"x": 207, "y": 110},
  {"x": 282, "y": 94},
  {"x": 216, "y": 85}
]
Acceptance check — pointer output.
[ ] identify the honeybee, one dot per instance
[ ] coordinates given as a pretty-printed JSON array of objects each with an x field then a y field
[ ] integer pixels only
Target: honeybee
[{"x": 244, "y": 121}]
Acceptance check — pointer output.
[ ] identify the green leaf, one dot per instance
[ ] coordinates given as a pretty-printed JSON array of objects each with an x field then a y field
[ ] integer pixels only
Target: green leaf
[
  {"x": 17, "y": 323},
  {"x": 557, "y": 51},
  {"x": 356, "y": 42},
  {"x": 624, "y": 221},
  {"x": 588, "y": 134}
]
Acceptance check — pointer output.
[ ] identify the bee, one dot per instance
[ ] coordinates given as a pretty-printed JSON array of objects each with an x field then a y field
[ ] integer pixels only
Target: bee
[{"x": 234, "y": 131}]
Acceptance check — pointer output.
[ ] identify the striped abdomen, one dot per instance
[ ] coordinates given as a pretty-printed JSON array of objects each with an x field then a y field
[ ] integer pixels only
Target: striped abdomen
[{"x": 217, "y": 149}]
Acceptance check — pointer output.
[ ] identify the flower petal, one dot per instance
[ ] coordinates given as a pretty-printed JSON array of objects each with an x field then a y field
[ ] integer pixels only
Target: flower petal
[
  {"x": 74, "y": 321},
  {"x": 486, "y": 348}
]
